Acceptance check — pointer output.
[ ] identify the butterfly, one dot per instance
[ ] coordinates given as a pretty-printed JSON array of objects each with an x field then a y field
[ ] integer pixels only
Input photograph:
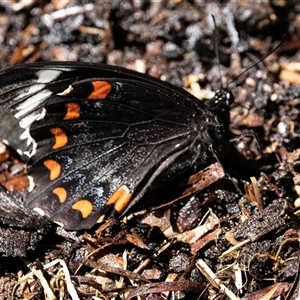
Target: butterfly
[{"x": 97, "y": 137}]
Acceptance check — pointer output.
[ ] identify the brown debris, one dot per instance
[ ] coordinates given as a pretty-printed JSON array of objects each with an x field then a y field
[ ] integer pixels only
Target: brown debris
[{"x": 263, "y": 222}]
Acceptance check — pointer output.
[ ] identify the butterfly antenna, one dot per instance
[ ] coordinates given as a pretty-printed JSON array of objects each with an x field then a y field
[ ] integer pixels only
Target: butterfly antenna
[{"x": 258, "y": 62}]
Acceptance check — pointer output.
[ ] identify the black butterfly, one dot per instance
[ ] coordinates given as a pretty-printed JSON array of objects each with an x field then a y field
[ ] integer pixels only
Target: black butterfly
[{"x": 99, "y": 136}]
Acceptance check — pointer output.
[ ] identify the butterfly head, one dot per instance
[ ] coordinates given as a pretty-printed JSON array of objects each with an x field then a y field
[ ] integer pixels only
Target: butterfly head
[{"x": 223, "y": 96}]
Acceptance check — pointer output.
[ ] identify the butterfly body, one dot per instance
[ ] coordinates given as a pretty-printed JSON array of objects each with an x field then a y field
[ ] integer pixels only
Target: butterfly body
[{"x": 101, "y": 136}]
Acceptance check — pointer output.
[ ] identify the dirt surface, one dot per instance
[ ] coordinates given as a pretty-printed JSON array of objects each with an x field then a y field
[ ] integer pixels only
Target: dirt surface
[{"x": 234, "y": 235}]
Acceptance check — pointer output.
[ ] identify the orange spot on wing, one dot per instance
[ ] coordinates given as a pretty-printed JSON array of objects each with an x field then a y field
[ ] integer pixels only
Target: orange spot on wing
[
  {"x": 53, "y": 167},
  {"x": 60, "y": 137},
  {"x": 120, "y": 198},
  {"x": 101, "y": 90},
  {"x": 73, "y": 111},
  {"x": 61, "y": 193},
  {"x": 85, "y": 207}
]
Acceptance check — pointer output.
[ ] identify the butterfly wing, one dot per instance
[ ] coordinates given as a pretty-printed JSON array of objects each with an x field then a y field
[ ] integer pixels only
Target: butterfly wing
[{"x": 104, "y": 135}]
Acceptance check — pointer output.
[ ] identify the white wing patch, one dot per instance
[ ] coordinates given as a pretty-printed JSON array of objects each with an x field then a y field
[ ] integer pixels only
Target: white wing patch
[
  {"x": 32, "y": 102},
  {"x": 46, "y": 76}
]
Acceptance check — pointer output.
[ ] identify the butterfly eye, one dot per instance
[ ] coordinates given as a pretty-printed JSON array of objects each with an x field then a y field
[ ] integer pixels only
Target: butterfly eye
[{"x": 229, "y": 97}]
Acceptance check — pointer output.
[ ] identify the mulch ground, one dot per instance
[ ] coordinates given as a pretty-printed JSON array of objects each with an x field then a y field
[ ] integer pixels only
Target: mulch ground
[{"x": 234, "y": 234}]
